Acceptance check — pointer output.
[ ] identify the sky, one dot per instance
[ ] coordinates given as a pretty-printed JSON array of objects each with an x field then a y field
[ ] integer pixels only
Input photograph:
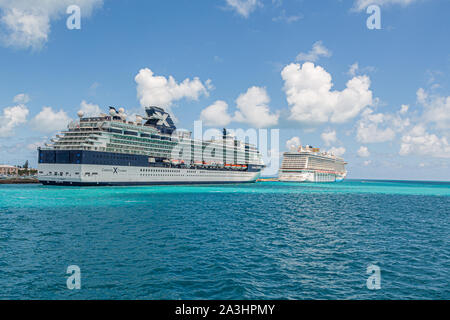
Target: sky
[{"x": 314, "y": 70}]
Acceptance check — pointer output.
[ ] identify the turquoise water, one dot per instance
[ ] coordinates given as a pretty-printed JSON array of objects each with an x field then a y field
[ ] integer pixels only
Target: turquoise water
[{"x": 263, "y": 241}]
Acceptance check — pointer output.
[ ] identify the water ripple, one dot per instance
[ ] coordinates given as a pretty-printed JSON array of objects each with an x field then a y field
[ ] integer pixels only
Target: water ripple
[{"x": 263, "y": 241}]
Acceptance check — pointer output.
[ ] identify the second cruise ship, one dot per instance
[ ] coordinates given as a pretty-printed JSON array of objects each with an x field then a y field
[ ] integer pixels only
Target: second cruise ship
[
  {"x": 308, "y": 164},
  {"x": 109, "y": 150}
]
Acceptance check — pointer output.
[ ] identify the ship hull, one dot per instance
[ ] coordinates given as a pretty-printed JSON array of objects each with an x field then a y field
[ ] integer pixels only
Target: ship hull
[
  {"x": 131, "y": 183},
  {"x": 101, "y": 175}
]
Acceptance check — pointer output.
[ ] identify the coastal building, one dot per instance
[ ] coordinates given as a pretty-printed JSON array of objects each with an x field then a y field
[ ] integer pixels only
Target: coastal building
[{"x": 8, "y": 170}]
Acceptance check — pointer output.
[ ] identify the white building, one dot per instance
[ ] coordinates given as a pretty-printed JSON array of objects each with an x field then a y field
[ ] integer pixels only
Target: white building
[{"x": 8, "y": 170}]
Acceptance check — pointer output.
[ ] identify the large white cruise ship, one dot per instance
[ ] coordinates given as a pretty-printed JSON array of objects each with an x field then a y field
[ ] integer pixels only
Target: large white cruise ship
[
  {"x": 308, "y": 164},
  {"x": 109, "y": 150}
]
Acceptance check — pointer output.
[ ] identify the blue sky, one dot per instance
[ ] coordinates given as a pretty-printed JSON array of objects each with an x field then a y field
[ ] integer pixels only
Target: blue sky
[{"x": 270, "y": 58}]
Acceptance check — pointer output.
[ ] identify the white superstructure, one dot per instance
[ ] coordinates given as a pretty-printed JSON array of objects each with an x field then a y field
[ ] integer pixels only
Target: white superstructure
[
  {"x": 308, "y": 164},
  {"x": 109, "y": 150}
]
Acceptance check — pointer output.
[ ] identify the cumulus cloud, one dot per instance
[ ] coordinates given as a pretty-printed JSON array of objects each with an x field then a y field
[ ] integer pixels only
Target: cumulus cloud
[
  {"x": 369, "y": 128},
  {"x": 436, "y": 108},
  {"x": 89, "y": 109},
  {"x": 27, "y": 23},
  {"x": 160, "y": 91},
  {"x": 329, "y": 137},
  {"x": 381, "y": 127},
  {"x": 253, "y": 108},
  {"x": 244, "y": 7},
  {"x": 216, "y": 114},
  {"x": 337, "y": 151},
  {"x": 419, "y": 142},
  {"x": 293, "y": 144},
  {"x": 312, "y": 101},
  {"x": 318, "y": 50},
  {"x": 11, "y": 118},
  {"x": 363, "y": 152},
  {"x": 360, "y": 5},
  {"x": 49, "y": 121}
]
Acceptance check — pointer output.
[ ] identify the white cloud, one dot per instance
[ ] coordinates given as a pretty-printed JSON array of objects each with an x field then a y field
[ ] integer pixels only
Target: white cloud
[
  {"x": 33, "y": 146},
  {"x": 353, "y": 69},
  {"x": 160, "y": 91},
  {"x": 283, "y": 17},
  {"x": 49, "y": 121},
  {"x": 244, "y": 7},
  {"x": 253, "y": 108},
  {"x": 22, "y": 98},
  {"x": 404, "y": 109},
  {"x": 329, "y": 137},
  {"x": 381, "y": 127},
  {"x": 367, "y": 163},
  {"x": 363, "y": 152},
  {"x": 360, "y": 5},
  {"x": 89, "y": 109},
  {"x": 216, "y": 115},
  {"x": 369, "y": 131},
  {"x": 337, "y": 151},
  {"x": 436, "y": 108},
  {"x": 209, "y": 85},
  {"x": 422, "y": 96},
  {"x": 26, "y": 23},
  {"x": 312, "y": 101},
  {"x": 293, "y": 144},
  {"x": 318, "y": 50},
  {"x": 11, "y": 118},
  {"x": 277, "y": 3},
  {"x": 419, "y": 142}
]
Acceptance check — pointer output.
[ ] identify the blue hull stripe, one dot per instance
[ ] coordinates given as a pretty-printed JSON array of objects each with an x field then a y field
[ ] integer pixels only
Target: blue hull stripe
[{"x": 111, "y": 159}]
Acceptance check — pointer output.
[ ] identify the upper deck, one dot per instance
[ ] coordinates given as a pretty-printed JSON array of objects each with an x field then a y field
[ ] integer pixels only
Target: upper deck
[{"x": 154, "y": 136}]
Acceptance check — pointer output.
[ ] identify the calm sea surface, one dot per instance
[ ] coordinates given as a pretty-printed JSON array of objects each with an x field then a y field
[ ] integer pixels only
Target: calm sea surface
[{"x": 261, "y": 241}]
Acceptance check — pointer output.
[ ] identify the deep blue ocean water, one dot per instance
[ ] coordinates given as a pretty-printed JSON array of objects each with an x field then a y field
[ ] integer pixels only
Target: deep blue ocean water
[{"x": 263, "y": 241}]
